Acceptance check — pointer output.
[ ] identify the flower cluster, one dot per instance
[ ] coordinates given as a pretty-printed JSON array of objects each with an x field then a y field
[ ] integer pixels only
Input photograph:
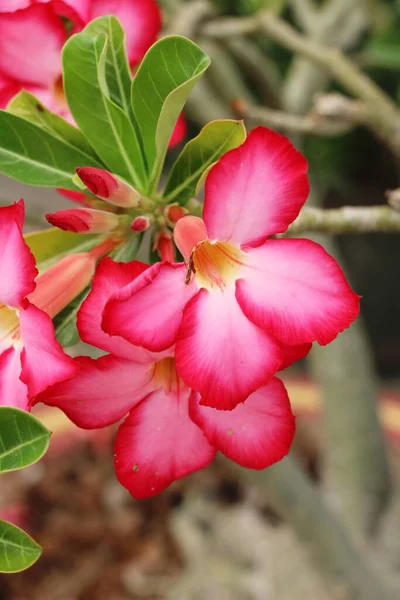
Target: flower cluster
[{"x": 193, "y": 347}]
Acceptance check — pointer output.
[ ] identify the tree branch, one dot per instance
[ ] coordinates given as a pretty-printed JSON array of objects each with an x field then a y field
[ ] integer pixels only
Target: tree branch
[
  {"x": 348, "y": 219},
  {"x": 309, "y": 124},
  {"x": 383, "y": 116}
]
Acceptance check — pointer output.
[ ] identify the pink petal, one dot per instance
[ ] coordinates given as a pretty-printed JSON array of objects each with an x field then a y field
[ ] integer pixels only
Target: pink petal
[
  {"x": 140, "y": 19},
  {"x": 149, "y": 312},
  {"x": 43, "y": 360},
  {"x": 179, "y": 133},
  {"x": 30, "y": 45},
  {"x": 14, "y": 5},
  {"x": 103, "y": 391},
  {"x": 220, "y": 353},
  {"x": 188, "y": 232},
  {"x": 110, "y": 278},
  {"x": 158, "y": 444},
  {"x": 77, "y": 197},
  {"x": 255, "y": 434},
  {"x": 17, "y": 264},
  {"x": 297, "y": 292},
  {"x": 77, "y": 11},
  {"x": 8, "y": 88},
  {"x": 292, "y": 354},
  {"x": 12, "y": 391},
  {"x": 255, "y": 190}
]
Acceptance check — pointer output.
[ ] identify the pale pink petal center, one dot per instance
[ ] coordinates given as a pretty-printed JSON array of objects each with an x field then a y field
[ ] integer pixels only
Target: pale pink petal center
[
  {"x": 220, "y": 353},
  {"x": 296, "y": 291}
]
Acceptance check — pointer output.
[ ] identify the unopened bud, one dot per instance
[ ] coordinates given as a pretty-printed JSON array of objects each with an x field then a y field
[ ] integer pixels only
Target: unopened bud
[
  {"x": 164, "y": 245},
  {"x": 84, "y": 220},
  {"x": 109, "y": 187},
  {"x": 174, "y": 212},
  {"x": 60, "y": 284},
  {"x": 140, "y": 223}
]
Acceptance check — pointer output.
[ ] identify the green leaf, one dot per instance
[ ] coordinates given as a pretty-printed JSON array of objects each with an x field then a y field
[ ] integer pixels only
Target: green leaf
[
  {"x": 35, "y": 156},
  {"x": 23, "y": 439},
  {"x": 65, "y": 322},
  {"x": 160, "y": 89},
  {"x": 50, "y": 245},
  {"x": 199, "y": 155},
  {"x": 18, "y": 550},
  {"x": 117, "y": 71},
  {"x": 28, "y": 107},
  {"x": 107, "y": 127}
]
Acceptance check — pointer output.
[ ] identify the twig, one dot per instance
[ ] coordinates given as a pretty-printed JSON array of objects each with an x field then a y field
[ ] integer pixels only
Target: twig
[
  {"x": 258, "y": 67},
  {"x": 305, "y": 13},
  {"x": 187, "y": 19},
  {"x": 309, "y": 124},
  {"x": 384, "y": 118},
  {"x": 224, "y": 75},
  {"x": 348, "y": 219}
]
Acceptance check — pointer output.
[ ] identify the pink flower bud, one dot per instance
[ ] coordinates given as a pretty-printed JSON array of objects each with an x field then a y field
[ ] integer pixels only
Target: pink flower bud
[
  {"x": 164, "y": 245},
  {"x": 60, "y": 284},
  {"x": 84, "y": 220},
  {"x": 173, "y": 213},
  {"x": 140, "y": 223},
  {"x": 109, "y": 187}
]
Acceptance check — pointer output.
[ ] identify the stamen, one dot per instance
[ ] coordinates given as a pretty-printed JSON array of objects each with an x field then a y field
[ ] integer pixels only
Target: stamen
[
  {"x": 215, "y": 264},
  {"x": 166, "y": 376},
  {"x": 9, "y": 327}
]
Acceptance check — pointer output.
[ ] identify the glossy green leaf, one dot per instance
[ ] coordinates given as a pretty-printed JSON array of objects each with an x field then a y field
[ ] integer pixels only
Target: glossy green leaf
[
  {"x": 52, "y": 244},
  {"x": 107, "y": 127},
  {"x": 117, "y": 72},
  {"x": 199, "y": 155},
  {"x": 18, "y": 550},
  {"x": 65, "y": 322},
  {"x": 35, "y": 156},
  {"x": 23, "y": 439},
  {"x": 28, "y": 107},
  {"x": 164, "y": 80}
]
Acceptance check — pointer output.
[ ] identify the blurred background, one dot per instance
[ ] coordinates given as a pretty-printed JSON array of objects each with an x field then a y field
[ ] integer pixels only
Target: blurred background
[{"x": 325, "y": 523}]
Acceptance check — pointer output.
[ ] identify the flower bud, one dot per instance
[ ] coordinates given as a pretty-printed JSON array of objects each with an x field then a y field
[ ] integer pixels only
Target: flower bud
[
  {"x": 174, "y": 212},
  {"x": 140, "y": 223},
  {"x": 164, "y": 245},
  {"x": 84, "y": 220},
  {"x": 109, "y": 187},
  {"x": 60, "y": 284}
]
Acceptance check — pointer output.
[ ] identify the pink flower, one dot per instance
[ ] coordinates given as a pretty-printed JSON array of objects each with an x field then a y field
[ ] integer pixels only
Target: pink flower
[
  {"x": 243, "y": 304},
  {"x": 167, "y": 433},
  {"x": 33, "y": 34},
  {"x": 30, "y": 357}
]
